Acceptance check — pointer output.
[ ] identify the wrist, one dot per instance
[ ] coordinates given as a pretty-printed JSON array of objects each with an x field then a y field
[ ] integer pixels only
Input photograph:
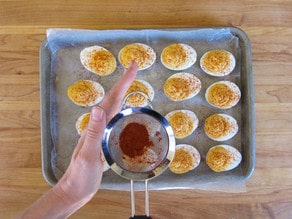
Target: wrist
[
  {"x": 53, "y": 204},
  {"x": 68, "y": 201}
]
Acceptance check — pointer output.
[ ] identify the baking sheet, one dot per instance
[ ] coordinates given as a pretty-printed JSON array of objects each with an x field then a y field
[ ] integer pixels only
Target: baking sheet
[{"x": 60, "y": 66}]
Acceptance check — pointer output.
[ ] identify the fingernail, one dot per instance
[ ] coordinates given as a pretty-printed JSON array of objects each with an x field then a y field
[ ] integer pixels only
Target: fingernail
[
  {"x": 97, "y": 113},
  {"x": 134, "y": 64}
]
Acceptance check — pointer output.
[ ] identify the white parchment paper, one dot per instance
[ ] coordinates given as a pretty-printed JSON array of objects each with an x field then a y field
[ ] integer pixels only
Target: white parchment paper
[{"x": 66, "y": 68}]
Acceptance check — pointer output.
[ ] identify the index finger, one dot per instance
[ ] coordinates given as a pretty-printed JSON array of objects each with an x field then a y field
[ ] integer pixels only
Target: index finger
[{"x": 113, "y": 100}]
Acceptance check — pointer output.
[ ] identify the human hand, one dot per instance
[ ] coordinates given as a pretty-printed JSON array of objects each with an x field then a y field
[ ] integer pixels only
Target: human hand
[{"x": 83, "y": 176}]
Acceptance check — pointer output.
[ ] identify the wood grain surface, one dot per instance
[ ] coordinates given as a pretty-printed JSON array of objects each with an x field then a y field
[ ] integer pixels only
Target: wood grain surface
[{"x": 269, "y": 27}]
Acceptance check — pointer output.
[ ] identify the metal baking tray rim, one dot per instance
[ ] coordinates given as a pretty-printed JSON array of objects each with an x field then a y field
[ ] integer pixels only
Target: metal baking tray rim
[{"x": 46, "y": 138}]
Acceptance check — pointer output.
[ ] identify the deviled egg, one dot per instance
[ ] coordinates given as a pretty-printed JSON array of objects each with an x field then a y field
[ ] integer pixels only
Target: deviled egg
[
  {"x": 223, "y": 158},
  {"x": 98, "y": 60},
  {"x": 182, "y": 86},
  {"x": 178, "y": 56}
]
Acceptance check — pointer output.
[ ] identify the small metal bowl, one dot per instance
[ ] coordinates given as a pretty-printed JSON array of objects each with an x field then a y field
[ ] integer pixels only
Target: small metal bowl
[{"x": 160, "y": 133}]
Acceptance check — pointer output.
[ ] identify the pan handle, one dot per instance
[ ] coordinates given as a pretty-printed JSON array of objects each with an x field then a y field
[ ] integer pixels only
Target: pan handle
[
  {"x": 146, "y": 216},
  {"x": 140, "y": 217}
]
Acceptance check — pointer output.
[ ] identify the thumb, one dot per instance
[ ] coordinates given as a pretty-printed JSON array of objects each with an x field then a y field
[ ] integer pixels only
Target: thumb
[{"x": 92, "y": 144}]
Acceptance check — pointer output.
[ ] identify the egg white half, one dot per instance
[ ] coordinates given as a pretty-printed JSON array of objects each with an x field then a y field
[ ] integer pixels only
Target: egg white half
[
  {"x": 191, "y": 57},
  {"x": 97, "y": 89},
  {"x": 106, "y": 67},
  {"x": 178, "y": 166},
  {"x": 78, "y": 123},
  {"x": 125, "y": 59},
  {"x": 150, "y": 94},
  {"x": 233, "y": 128},
  {"x": 232, "y": 86},
  {"x": 226, "y": 70},
  {"x": 194, "y": 119},
  {"x": 234, "y": 158},
  {"x": 191, "y": 82}
]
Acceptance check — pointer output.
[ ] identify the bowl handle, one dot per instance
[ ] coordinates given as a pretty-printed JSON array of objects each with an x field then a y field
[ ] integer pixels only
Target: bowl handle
[{"x": 147, "y": 214}]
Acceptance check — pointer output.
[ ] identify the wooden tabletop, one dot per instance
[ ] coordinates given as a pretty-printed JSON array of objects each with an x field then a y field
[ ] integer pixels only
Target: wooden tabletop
[{"x": 268, "y": 24}]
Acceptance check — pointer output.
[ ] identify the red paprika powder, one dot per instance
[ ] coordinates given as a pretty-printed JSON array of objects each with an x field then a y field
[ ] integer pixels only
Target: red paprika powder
[{"x": 134, "y": 140}]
